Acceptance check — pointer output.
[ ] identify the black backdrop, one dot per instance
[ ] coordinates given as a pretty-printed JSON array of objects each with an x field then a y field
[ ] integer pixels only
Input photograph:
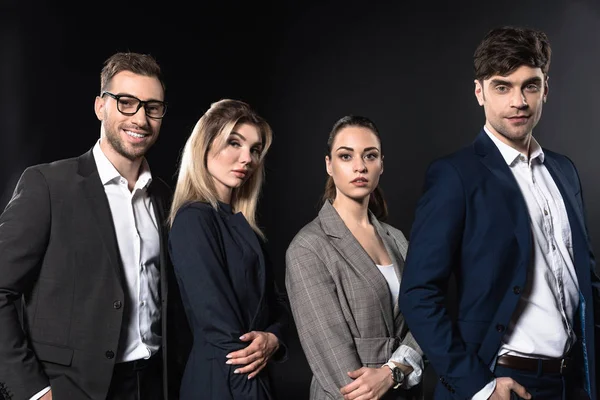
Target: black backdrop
[{"x": 302, "y": 65}]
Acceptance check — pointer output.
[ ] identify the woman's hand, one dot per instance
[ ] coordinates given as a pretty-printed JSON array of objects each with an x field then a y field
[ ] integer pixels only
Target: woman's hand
[
  {"x": 255, "y": 357},
  {"x": 369, "y": 384}
]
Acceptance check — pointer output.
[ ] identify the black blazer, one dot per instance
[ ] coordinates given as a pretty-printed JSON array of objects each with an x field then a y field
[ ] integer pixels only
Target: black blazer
[
  {"x": 228, "y": 289},
  {"x": 59, "y": 253}
]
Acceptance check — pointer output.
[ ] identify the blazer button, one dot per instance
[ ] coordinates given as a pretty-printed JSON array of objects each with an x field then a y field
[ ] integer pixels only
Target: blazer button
[
  {"x": 117, "y": 304},
  {"x": 500, "y": 328},
  {"x": 109, "y": 354},
  {"x": 517, "y": 290}
]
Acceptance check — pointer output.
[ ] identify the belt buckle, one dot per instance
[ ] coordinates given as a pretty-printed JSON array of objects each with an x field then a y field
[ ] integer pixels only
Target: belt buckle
[{"x": 564, "y": 364}]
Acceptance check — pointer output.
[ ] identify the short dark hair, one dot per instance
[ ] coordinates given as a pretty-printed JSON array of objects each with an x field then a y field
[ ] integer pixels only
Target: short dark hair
[
  {"x": 505, "y": 49},
  {"x": 141, "y": 64},
  {"x": 377, "y": 203}
]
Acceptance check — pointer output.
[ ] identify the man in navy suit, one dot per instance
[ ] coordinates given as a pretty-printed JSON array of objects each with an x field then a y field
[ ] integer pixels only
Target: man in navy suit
[{"x": 506, "y": 217}]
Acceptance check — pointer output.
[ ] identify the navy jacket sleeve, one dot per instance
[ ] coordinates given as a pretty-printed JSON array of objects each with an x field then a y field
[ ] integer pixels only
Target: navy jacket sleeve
[
  {"x": 435, "y": 243},
  {"x": 200, "y": 263}
]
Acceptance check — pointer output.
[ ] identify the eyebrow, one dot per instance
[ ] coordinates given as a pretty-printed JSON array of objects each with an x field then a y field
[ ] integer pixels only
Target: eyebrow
[
  {"x": 259, "y": 143},
  {"x": 351, "y": 149},
  {"x": 497, "y": 82},
  {"x": 135, "y": 97}
]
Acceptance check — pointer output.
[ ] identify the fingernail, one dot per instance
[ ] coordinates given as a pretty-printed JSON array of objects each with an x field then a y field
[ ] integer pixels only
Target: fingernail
[
  {"x": 237, "y": 371},
  {"x": 228, "y": 362},
  {"x": 228, "y": 356},
  {"x": 243, "y": 337},
  {"x": 249, "y": 377}
]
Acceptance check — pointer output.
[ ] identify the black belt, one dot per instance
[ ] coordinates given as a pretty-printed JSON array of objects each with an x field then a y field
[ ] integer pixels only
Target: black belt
[
  {"x": 550, "y": 366},
  {"x": 136, "y": 365}
]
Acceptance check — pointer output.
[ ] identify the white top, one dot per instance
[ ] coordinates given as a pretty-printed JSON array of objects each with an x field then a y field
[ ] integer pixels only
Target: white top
[
  {"x": 392, "y": 280},
  {"x": 542, "y": 326}
]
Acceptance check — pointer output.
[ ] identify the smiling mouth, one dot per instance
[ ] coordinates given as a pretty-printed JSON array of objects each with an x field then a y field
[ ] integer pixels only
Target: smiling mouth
[{"x": 136, "y": 134}]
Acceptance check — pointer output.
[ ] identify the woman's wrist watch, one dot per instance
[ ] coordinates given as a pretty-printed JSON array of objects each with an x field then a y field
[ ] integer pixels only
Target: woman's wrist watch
[{"x": 397, "y": 374}]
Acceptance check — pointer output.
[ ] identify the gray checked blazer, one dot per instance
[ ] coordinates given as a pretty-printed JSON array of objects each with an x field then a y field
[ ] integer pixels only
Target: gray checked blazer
[{"x": 341, "y": 302}]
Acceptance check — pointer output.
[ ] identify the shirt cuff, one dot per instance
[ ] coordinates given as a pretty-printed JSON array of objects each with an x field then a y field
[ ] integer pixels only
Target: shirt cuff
[
  {"x": 408, "y": 356},
  {"x": 40, "y": 393},
  {"x": 486, "y": 392}
]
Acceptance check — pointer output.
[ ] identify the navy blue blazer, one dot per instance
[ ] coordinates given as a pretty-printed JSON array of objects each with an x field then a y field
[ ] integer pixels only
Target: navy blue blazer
[
  {"x": 228, "y": 289},
  {"x": 472, "y": 221}
]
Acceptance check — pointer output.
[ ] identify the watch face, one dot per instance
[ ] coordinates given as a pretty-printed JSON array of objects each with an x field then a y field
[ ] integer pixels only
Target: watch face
[{"x": 398, "y": 375}]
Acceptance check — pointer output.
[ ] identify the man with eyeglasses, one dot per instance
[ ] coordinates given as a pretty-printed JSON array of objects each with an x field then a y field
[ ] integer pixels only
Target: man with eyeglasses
[{"x": 82, "y": 242}]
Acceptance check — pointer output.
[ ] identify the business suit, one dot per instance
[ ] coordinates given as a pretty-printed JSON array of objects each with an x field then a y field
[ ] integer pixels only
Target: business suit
[
  {"x": 228, "y": 289},
  {"x": 59, "y": 251},
  {"x": 341, "y": 302},
  {"x": 472, "y": 221}
]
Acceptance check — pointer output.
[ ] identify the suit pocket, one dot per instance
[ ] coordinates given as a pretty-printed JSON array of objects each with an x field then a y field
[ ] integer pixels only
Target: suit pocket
[{"x": 53, "y": 354}]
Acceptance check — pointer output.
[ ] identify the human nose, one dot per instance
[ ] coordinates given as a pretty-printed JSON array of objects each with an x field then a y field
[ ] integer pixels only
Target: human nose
[
  {"x": 359, "y": 165},
  {"x": 519, "y": 100},
  {"x": 245, "y": 156},
  {"x": 140, "y": 118}
]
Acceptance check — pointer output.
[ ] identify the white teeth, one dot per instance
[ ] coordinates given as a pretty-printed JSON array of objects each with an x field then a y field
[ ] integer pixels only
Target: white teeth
[{"x": 135, "y": 135}]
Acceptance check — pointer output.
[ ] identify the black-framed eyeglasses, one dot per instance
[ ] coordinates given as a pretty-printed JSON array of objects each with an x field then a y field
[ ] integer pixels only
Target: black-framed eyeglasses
[{"x": 129, "y": 105}]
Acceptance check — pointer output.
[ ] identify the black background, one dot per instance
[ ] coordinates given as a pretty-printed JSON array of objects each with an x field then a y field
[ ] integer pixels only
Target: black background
[{"x": 302, "y": 65}]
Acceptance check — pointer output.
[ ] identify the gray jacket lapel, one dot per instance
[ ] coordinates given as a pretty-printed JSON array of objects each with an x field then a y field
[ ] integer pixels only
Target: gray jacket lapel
[
  {"x": 358, "y": 259},
  {"x": 395, "y": 251}
]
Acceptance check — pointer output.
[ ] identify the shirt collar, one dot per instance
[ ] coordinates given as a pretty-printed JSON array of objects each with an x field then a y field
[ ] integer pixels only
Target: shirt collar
[
  {"x": 108, "y": 173},
  {"x": 511, "y": 155}
]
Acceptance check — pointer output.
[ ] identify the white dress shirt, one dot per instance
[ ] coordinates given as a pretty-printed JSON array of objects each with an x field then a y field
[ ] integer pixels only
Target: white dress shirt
[
  {"x": 139, "y": 247},
  {"x": 403, "y": 354},
  {"x": 542, "y": 325}
]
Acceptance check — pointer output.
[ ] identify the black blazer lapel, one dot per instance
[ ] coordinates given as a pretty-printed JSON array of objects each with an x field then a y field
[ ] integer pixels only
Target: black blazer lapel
[
  {"x": 513, "y": 198},
  {"x": 94, "y": 194},
  {"x": 355, "y": 255}
]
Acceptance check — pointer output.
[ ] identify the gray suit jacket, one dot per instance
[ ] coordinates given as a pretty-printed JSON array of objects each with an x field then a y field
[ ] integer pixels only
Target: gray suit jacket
[{"x": 341, "y": 302}]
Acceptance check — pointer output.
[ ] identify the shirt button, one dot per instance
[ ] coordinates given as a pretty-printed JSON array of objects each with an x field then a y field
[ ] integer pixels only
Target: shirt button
[
  {"x": 142, "y": 303},
  {"x": 500, "y": 328},
  {"x": 553, "y": 247},
  {"x": 109, "y": 354},
  {"x": 545, "y": 212},
  {"x": 517, "y": 290},
  {"x": 117, "y": 304}
]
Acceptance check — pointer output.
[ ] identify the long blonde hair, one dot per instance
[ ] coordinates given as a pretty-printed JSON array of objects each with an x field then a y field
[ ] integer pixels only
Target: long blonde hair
[{"x": 195, "y": 183}]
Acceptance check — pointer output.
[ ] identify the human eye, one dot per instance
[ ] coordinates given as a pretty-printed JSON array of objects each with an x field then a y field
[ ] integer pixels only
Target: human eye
[
  {"x": 532, "y": 87},
  {"x": 371, "y": 156},
  {"x": 256, "y": 151},
  {"x": 234, "y": 143},
  {"x": 501, "y": 89},
  {"x": 344, "y": 156},
  {"x": 127, "y": 101}
]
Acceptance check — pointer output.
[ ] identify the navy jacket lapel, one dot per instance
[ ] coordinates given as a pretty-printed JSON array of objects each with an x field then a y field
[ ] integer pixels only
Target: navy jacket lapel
[
  {"x": 576, "y": 223},
  {"x": 513, "y": 198},
  {"x": 98, "y": 205}
]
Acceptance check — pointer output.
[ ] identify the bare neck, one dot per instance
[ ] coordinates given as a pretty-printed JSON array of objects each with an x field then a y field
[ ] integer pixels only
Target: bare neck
[{"x": 353, "y": 212}]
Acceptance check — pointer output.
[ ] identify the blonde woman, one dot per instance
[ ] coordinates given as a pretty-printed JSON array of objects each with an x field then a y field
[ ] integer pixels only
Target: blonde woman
[
  {"x": 343, "y": 277},
  {"x": 236, "y": 314}
]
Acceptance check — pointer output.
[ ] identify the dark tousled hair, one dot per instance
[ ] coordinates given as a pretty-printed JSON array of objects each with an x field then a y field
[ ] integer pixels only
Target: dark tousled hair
[
  {"x": 505, "y": 49},
  {"x": 377, "y": 204},
  {"x": 141, "y": 64}
]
